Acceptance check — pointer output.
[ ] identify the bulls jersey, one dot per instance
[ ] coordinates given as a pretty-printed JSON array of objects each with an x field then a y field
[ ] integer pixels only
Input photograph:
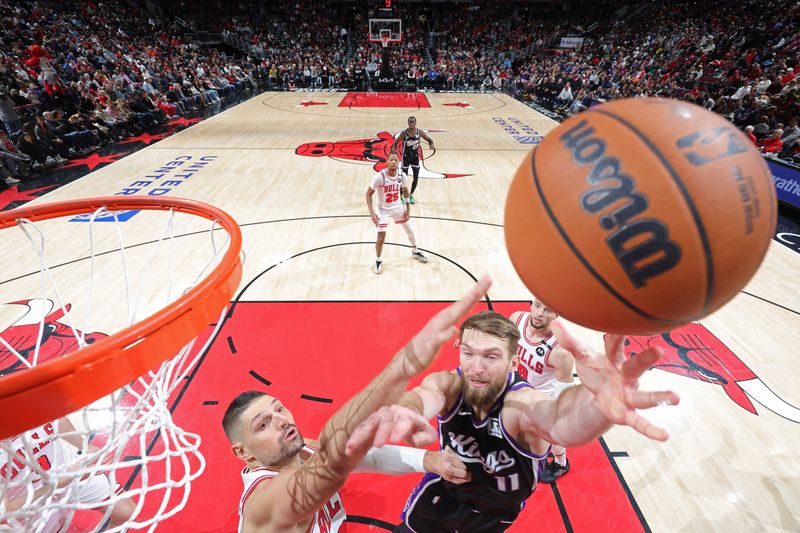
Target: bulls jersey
[
  {"x": 43, "y": 447},
  {"x": 411, "y": 149},
  {"x": 504, "y": 472},
  {"x": 388, "y": 189},
  {"x": 534, "y": 364},
  {"x": 329, "y": 519}
]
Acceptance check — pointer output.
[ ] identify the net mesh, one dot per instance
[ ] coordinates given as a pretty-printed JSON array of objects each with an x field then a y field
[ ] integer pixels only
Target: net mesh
[{"x": 121, "y": 462}]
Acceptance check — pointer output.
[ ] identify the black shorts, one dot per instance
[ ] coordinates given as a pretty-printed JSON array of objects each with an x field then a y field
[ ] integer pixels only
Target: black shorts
[
  {"x": 432, "y": 508},
  {"x": 410, "y": 164}
]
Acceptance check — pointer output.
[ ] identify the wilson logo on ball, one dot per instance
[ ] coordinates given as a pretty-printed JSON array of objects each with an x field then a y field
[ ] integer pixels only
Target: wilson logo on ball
[
  {"x": 707, "y": 146},
  {"x": 642, "y": 246}
]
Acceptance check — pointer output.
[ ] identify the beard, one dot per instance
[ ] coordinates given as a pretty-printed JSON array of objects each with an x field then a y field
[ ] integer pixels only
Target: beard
[
  {"x": 543, "y": 324},
  {"x": 288, "y": 449},
  {"x": 485, "y": 397}
]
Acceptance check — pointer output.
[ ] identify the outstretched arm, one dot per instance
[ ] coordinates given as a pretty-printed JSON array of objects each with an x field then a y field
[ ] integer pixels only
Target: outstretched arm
[
  {"x": 399, "y": 460},
  {"x": 295, "y": 495},
  {"x": 608, "y": 395},
  {"x": 563, "y": 362},
  {"x": 402, "y": 422}
]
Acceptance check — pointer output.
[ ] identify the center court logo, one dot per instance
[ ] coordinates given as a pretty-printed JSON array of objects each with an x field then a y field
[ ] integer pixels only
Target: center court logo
[
  {"x": 157, "y": 182},
  {"x": 373, "y": 150}
]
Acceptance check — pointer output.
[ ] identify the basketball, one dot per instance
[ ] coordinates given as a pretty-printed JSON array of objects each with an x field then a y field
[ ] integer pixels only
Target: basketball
[{"x": 640, "y": 215}]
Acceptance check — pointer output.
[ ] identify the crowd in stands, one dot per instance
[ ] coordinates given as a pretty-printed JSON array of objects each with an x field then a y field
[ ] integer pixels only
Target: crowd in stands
[
  {"x": 739, "y": 60},
  {"x": 86, "y": 74},
  {"x": 77, "y": 76}
]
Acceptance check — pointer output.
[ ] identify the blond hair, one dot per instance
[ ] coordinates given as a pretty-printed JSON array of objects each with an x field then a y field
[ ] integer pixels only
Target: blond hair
[{"x": 493, "y": 324}]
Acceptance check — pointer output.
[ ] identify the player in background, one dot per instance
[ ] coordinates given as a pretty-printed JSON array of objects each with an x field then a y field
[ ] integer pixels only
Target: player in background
[
  {"x": 391, "y": 186},
  {"x": 547, "y": 367},
  {"x": 409, "y": 140},
  {"x": 53, "y": 447}
]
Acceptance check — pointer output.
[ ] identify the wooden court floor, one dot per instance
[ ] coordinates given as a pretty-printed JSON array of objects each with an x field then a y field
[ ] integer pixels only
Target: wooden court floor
[{"x": 293, "y": 168}]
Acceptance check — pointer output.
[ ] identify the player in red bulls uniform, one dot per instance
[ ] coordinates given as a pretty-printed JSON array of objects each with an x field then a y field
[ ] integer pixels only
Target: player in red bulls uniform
[
  {"x": 393, "y": 203},
  {"x": 290, "y": 488},
  {"x": 53, "y": 447},
  {"x": 546, "y": 366}
]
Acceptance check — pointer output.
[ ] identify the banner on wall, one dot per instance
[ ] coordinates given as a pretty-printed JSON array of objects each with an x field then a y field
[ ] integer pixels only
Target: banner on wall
[
  {"x": 571, "y": 42},
  {"x": 787, "y": 182}
]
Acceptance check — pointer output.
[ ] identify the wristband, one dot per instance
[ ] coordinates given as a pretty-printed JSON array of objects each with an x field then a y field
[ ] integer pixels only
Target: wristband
[{"x": 393, "y": 460}]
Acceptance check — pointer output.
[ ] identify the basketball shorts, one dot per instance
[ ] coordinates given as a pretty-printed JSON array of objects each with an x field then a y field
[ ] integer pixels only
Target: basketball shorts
[
  {"x": 432, "y": 507},
  {"x": 385, "y": 214},
  {"x": 94, "y": 489},
  {"x": 410, "y": 165}
]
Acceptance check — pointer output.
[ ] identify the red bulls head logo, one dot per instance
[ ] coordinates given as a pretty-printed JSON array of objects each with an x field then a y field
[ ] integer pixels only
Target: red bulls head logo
[
  {"x": 315, "y": 149},
  {"x": 693, "y": 352},
  {"x": 58, "y": 338},
  {"x": 374, "y": 150}
]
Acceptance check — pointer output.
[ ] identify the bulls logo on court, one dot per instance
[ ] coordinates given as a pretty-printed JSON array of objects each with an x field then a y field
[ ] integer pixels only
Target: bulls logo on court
[
  {"x": 58, "y": 338},
  {"x": 694, "y": 352},
  {"x": 374, "y": 150}
]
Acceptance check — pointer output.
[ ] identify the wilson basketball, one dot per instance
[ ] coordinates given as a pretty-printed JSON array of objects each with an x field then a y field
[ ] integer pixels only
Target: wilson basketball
[{"x": 640, "y": 215}]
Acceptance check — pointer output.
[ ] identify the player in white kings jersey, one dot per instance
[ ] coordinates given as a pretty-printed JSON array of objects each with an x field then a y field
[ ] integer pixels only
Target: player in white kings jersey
[
  {"x": 546, "y": 366},
  {"x": 392, "y": 188},
  {"x": 288, "y": 487},
  {"x": 44, "y": 448}
]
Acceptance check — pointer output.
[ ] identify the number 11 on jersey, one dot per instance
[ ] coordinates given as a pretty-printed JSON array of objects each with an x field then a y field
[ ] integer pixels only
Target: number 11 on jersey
[{"x": 507, "y": 483}]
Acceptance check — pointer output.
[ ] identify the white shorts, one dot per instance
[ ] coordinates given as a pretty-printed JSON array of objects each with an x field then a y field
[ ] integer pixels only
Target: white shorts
[
  {"x": 396, "y": 214},
  {"x": 94, "y": 489}
]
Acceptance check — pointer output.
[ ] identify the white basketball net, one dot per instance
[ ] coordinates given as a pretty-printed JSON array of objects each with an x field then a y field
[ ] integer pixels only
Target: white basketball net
[{"x": 126, "y": 464}]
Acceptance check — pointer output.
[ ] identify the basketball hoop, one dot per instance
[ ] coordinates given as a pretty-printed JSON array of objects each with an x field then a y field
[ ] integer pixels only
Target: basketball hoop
[
  {"x": 115, "y": 388},
  {"x": 384, "y": 40}
]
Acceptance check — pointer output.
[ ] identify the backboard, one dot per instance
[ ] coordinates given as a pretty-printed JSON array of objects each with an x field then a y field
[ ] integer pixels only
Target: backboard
[{"x": 392, "y": 27}]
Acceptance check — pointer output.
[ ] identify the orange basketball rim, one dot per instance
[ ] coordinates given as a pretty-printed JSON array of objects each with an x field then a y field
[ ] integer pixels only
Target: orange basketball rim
[{"x": 55, "y": 388}]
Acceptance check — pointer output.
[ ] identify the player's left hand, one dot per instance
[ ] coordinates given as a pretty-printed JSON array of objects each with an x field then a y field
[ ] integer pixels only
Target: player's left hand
[
  {"x": 614, "y": 380},
  {"x": 406, "y": 216},
  {"x": 392, "y": 423},
  {"x": 448, "y": 465}
]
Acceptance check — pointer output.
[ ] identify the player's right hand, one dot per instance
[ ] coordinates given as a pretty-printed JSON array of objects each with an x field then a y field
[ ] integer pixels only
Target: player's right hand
[
  {"x": 374, "y": 218},
  {"x": 392, "y": 423},
  {"x": 442, "y": 327}
]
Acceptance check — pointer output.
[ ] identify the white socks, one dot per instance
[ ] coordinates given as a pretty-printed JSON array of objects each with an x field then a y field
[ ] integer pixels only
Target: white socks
[{"x": 559, "y": 455}]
